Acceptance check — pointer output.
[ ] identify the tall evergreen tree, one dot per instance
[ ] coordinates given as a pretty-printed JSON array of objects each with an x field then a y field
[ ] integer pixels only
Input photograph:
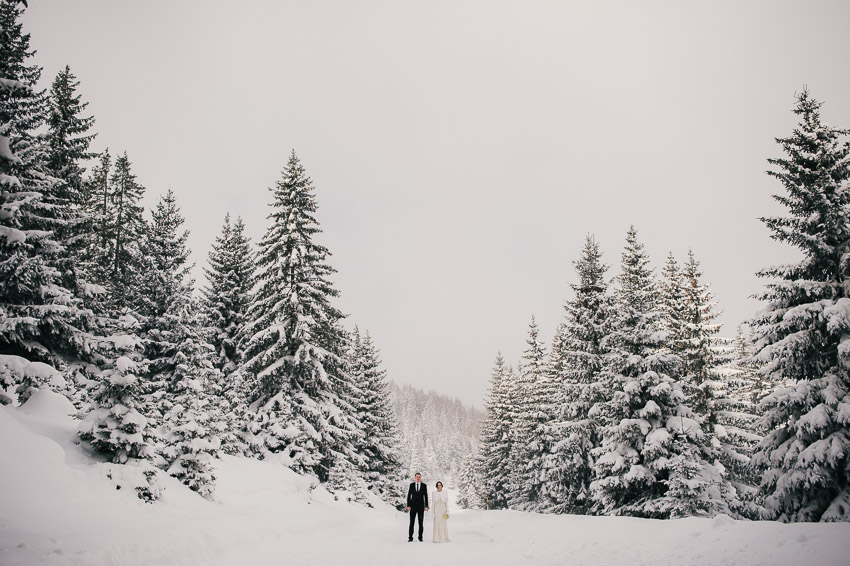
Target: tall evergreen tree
[
  {"x": 67, "y": 137},
  {"x": 227, "y": 296},
  {"x": 226, "y": 299},
  {"x": 192, "y": 422},
  {"x": 650, "y": 459},
  {"x": 497, "y": 436},
  {"x": 125, "y": 231},
  {"x": 68, "y": 140},
  {"x": 673, "y": 304},
  {"x": 803, "y": 335},
  {"x": 93, "y": 253},
  {"x": 378, "y": 445},
  {"x": 698, "y": 339},
  {"x": 294, "y": 360},
  {"x": 535, "y": 389},
  {"x": 41, "y": 316},
  {"x": 469, "y": 484},
  {"x": 179, "y": 370},
  {"x": 737, "y": 419},
  {"x": 585, "y": 329}
]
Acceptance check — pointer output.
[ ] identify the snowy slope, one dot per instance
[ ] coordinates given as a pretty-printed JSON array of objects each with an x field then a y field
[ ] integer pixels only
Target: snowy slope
[{"x": 57, "y": 506}]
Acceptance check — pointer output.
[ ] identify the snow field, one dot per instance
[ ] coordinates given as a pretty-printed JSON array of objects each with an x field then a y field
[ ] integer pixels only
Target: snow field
[{"x": 59, "y": 507}]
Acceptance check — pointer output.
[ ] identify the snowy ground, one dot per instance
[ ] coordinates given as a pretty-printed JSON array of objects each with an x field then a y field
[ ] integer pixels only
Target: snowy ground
[{"x": 57, "y": 506}]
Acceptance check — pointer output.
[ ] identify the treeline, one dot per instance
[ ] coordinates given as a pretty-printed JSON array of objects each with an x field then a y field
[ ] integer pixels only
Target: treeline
[
  {"x": 437, "y": 433},
  {"x": 639, "y": 409},
  {"x": 96, "y": 302}
]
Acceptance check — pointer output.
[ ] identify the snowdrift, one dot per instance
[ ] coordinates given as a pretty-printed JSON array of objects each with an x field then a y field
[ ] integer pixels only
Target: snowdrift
[{"x": 62, "y": 505}]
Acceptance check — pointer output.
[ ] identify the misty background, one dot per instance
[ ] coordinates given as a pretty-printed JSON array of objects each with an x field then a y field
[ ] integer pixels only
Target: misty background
[{"x": 461, "y": 151}]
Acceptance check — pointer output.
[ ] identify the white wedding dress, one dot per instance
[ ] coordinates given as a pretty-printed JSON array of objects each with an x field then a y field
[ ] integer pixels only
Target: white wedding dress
[{"x": 440, "y": 500}]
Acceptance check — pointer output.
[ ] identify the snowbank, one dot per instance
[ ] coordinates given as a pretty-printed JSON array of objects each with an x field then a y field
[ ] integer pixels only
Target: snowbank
[{"x": 61, "y": 505}]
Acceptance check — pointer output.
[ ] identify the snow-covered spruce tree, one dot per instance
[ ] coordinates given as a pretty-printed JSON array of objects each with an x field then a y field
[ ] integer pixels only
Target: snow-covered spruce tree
[
  {"x": 346, "y": 482},
  {"x": 117, "y": 425},
  {"x": 124, "y": 232},
  {"x": 294, "y": 359},
  {"x": 802, "y": 337},
  {"x": 469, "y": 484},
  {"x": 68, "y": 140},
  {"x": 672, "y": 294},
  {"x": 226, "y": 298},
  {"x": 378, "y": 446},
  {"x": 650, "y": 461},
  {"x": 587, "y": 323},
  {"x": 68, "y": 136},
  {"x": 41, "y": 316},
  {"x": 697, "y": 340},
  {"x": 737, "y": 429},
  {"x": 690, "y": 320},
  {"x": 497, "y": 437},
  {"x": 192, "y": 422},
  {"x": 91, "y": 248},
  {"x": 179, "y": 370},
  {"x": 534, "y": 390}
]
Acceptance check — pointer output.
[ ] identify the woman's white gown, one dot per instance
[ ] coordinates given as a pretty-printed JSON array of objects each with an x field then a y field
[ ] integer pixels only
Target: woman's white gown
[{"x": 441, "y": 507}]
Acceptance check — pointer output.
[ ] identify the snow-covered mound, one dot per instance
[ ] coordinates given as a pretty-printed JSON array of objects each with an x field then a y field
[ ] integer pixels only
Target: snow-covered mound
[{"x": 60, "y": 505}]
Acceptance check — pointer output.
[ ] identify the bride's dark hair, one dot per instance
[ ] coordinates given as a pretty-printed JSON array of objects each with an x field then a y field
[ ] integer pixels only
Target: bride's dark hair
[{"x": 439, "y": 483}]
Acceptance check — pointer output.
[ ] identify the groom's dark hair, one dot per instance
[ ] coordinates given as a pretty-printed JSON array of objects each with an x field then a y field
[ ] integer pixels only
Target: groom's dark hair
[{"x": 417, "y": 474}]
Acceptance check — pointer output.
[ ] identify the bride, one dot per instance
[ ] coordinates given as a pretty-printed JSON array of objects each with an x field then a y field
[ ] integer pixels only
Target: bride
[{"x": 441, "y": 510}]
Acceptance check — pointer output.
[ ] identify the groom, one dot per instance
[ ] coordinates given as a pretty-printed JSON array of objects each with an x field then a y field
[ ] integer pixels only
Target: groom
[{"x": 417, "y": 504}]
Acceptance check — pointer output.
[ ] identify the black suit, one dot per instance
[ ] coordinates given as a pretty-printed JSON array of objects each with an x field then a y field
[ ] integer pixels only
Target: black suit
[{"x": 417, "y": 501}]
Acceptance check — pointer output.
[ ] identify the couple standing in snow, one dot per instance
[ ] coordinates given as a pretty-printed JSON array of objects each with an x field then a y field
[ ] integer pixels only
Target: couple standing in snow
[{"x": 417, "y": 504}]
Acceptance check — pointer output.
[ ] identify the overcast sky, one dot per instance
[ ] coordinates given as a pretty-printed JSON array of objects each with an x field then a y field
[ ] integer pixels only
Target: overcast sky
[{"x": 461, "y": 151}]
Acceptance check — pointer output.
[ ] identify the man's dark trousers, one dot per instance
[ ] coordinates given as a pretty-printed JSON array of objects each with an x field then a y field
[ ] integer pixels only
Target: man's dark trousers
[
  {"x": 417, "y": 500},
  {"x": 413, "y": 514}
]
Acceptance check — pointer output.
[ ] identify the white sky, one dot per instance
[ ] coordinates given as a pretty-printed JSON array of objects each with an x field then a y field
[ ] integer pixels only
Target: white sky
[{"x": 462, "y": 150}]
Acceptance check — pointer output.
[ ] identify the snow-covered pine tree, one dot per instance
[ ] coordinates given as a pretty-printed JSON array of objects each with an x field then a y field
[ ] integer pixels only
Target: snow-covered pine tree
[
  {"x": 179, "y": 370},
  {"x": 378, "y": 446},
  {"x": 41, "y": 316},
  {"x": 736, "y": 396},
  {"x": 294, "y": 359},
  {"x": 650, "y": 461},
  {"x": 803, "y": 334},
  {"x": 226, "y": 298},
  {"x": 530, "y": 443},
  {"x": 346, "y": 482},
  {"x": 191, "y": 420},
  {"x": 581, "y": 352},
  {"x": 703, "y": 383},
  {"x": 697, "y": 341},
  {"x": 673, "y": 304},
  {"x": 125, "y": 230},
  {"x": 496, "y": 437},
  {"x": 166, "y": 285},
  {"x": 116, "y": 425},
  {"x": 469, "y": 484},
  {"x": 93, "y": 252},
  {"x": 68, "y": 139}
]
